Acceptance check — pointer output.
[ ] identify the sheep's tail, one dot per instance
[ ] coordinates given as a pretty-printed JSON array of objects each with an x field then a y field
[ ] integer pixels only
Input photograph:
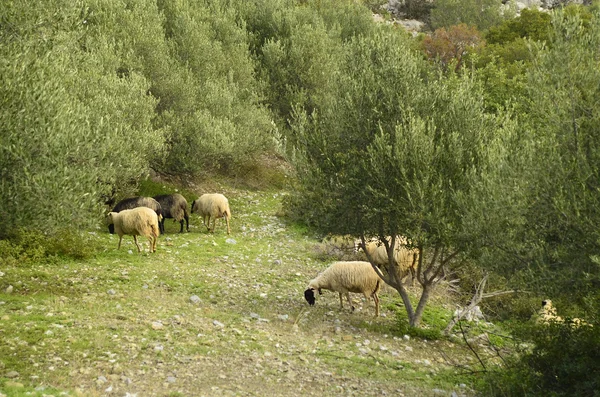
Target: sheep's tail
[{"x": 377, "y": 286}]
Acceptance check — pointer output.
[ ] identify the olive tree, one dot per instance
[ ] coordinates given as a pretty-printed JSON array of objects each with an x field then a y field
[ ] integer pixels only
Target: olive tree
[
  {"x": 402, "y": 154},
  {"x": 71, "y": 125}
]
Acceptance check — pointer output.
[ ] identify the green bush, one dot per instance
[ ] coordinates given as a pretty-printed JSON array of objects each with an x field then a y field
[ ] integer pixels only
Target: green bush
[
  {"x": 564, "y": 361},
  {"x": 27, "y": 247},
  {"x": 480, "y": 13},
  {"x": 72, "y": 127}
]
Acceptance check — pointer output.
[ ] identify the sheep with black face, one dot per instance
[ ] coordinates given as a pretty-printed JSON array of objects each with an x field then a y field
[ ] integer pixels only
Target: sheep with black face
[
  {"x": 134, "y": 202},
  {"x": 139, "y": 221},
  {"x": 346, "y": 277}
]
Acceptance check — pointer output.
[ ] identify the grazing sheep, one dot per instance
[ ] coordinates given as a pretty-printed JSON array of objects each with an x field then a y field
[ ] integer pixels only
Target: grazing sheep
[
  {"x": 173, "y": 206},
  {"x": 139, "y": 221},
  {"x": 134, "y": 202},
  {"x": 407, "y": 259},
  {"x": 345, "y": 277},
  {"x": 213, "y": 206}
]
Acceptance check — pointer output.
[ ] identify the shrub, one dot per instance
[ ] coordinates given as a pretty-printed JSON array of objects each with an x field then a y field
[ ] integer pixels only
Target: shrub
[
  {"x": 564, "y": 361},
  {"x": 27, "y": 247}
]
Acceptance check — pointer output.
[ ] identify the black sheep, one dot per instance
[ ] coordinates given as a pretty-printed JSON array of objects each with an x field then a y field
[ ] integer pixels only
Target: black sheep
[{"x": 174, "y": 206}]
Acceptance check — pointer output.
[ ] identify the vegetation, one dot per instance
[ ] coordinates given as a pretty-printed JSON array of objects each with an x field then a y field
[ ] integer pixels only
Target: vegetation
[{"x": 477, "y": 142}]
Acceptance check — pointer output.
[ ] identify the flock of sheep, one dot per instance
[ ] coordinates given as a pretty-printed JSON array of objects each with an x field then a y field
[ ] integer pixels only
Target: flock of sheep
[{"x": 145, "y": 216}]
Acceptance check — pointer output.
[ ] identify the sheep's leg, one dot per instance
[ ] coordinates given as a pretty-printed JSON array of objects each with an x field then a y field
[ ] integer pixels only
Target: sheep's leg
[
  {"x": 341, "y": 301},
  {"x": 376, "y": 300},
  {"x": 413, "y": 272},
  {"x": 228, "y": 230},
  {"x": 349, "y": 300},
  {"x": 214, "y": 223},
  {"x": 136, "y": 243},
  {"x": 207, "y": 222},
  {"x": 120, "y": 239},
  {"x": 181, "y": 228},
  {"x": 187, "y": 222},
  {"x": 152, "y": 242}
]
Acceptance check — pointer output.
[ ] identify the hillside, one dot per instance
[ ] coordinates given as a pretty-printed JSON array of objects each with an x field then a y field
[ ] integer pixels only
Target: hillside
[{"x": 212, "y": 315}]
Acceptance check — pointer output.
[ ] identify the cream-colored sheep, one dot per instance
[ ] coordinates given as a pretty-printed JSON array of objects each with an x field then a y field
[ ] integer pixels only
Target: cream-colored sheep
[
  {"x": 407, "y": 259},
  {"x": 214, "y": 206},
  {"x": 140, "y": 221},
  {"x": 345, "y": 277},
  {"x": 547, "y": 314}
]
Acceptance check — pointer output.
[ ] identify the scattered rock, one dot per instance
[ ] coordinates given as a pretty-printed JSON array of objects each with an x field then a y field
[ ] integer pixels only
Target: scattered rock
[
  {"x": 157, "y": 325},
  {"x": 101, "y": 380},
  {"x": 218, "y": 324},
  {"x": 9, "y": 289},
  {"x": 195, "y": 299}
]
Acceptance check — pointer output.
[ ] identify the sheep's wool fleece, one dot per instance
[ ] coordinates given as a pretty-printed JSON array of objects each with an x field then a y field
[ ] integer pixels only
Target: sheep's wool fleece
[
  {"x": 214, "y": 204},
  {"x": 357, "y": 277},
  {"x": 135, "y": 221}
]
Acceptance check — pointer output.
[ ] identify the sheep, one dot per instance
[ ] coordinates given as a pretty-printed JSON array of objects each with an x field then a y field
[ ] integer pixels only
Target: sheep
[
  {"x": 346, "y": 277},
  {"x": 173, "y": 206},
  {"x": 547, "y": 315},
  {"x": 213, "y": 206},
  {"x": 407, "y": 259},
  {"x": 134, "y": 202},
  {"x": 139, "y": 221}
]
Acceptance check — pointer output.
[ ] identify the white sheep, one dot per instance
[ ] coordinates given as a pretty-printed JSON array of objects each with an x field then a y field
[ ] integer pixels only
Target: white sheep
[
  {"x": 407, "y": 259},
  {"x": 213, "y": 206},
  {"x": 140, "y": 221},
  {"x": 345, "y": 277}
]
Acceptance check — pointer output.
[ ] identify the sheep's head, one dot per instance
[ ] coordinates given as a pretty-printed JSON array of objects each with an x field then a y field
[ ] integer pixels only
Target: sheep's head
[
  {"x": 547, "y": 303},
  {"x": 110, "y": 222},
  {"x": 309, "y": 295},
  {"x": 547, "y": 307}
]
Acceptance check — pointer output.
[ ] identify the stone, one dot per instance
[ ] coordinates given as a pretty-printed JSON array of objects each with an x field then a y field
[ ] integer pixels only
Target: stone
[
  {"x": 12, "y": 375},
  {"x": 157, "y": 325},
  {"x": 195, "y": 299}
]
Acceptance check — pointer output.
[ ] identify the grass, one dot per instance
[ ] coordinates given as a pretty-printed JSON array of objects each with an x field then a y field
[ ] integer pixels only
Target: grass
[{"x": 124, "y": 322}]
